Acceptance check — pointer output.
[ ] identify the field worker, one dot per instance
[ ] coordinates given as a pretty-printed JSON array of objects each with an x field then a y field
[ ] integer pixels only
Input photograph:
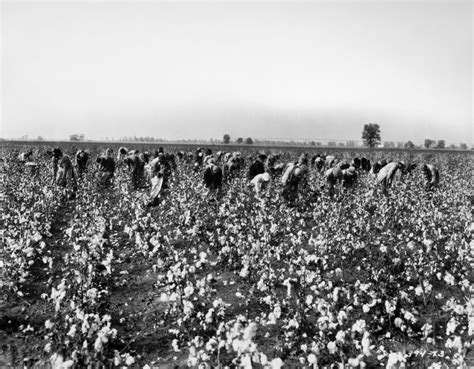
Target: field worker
[
  {"x": 136, "y": 168},
  {"x": 386, "y": 175},
  {"x": 343, "y": 165},
  {"x": 57, "y": 155},
  {"x": 219, "y": 156},
  {"x": 356, "y": 163},
  {"x": 25, "y": 157},
  {"x": 409, "y": 168},
  {"x": 378, "y": 166},
  {"x": 294, "y": 177},
  {"x": 208, "y": 156},
  {"x": 121, "y": 154},
  {"x": 257, "y": 167},
  {"x": 233, "y": 164},
  {"x": 330, "y": 161},
  {"x": 365, "y": 164},
  {"x": 65, "y": 174},
  {"x": 319, "y": 163},
  {"x": 145, "y": 157},
  {"x": 198, "y": 159},
  {"x": 227, "y": 156},
  {"x": 349, "y": 177},
  {"x": 82, "y": 158},
  {"x": 431, "y": 175},
  {"x": 160, "y": 172},
  {"x": 106, "y": 170},
  {"x": 261, "y": 182},
  {"x": 212, "y": 176},
  {"x": 171, "y": 160},
  {"x": 333, "y": 175},
  {"x": 270, "y": 164}
]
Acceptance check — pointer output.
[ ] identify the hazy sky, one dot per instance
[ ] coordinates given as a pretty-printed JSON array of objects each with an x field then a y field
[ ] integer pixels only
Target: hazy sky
[{"x": 316, "y": 70}]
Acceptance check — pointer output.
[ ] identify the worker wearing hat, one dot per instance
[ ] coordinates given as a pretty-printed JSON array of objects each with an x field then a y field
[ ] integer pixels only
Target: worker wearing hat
[{"x": 106, "y": 170}]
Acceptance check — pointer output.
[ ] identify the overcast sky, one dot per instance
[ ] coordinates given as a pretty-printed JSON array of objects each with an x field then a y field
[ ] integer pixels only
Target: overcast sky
[{"x": 316, "y": 70}]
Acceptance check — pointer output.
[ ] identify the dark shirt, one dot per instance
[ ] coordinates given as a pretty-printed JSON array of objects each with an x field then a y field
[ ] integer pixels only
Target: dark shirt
[
  {"x": 106, "y": 164},
  {"x": 255, "y": 169}
]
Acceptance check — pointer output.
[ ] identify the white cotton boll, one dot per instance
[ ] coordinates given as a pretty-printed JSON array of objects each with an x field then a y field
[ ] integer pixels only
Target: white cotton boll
[
  {"x": 449, "y": 279},
  {"x": 419, "y": 290},
  {"x": 188, "y": 291},
  {"x": 236, "y": 345},
  {"x": 277, "y": 311},
  {"x": 359, "y": 326},
  {"x": 471, "y": 325},
  {"x": 409, "y": 316},
  {"x": 392, "y": 360},
  {"x": 246, "y": 362},
  {"x": 67, "y": 364},
  {"x": 129, "y": 360},
  {"x": 209, "y": 316},
  {"x": 244, "y": 272},
  {"x": 98, "y": 344},
  {"x": 354, "y": 362},
  {"x": 332, "y": 347},
  {"x": 398, "y": 322},
  {"x": 117, "y": 360},
  {"x": 340, "y": 336},
  {"x": 72, "y": 331},
  {"x": 451, "y": 326},
  {"x": 366, "y": 344},
  {"x": 276, "y": 363},
  {"x": 341, "y": 316},
  {"x": 271, "y": 319},
  {"x": 250, "y": 331},
  {"x": 312, "y": 359}
]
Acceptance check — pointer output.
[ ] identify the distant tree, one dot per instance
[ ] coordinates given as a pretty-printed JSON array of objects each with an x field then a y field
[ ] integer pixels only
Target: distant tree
[
  {"x": 341, "y": 144},
  {"x": 441, "y": 144},
  {"x": 409, "y": 145},
  {"x": 452, "y": 147},
  {"x": 400, "y": 145},
  {"x": 371, "y": 134},
  {"x": 312, "y": 143},
  {"x": 240, "y": 140},
  {"x": 76, "y": 137},
  {"x": 249, "y": 141},
  {"x": 463, "y": 146},
  {"x": 429, "y": 143},
  {"x": 226, "y": 138},
  {"x": 351, "y": 144},
  {"x": 39, "y": 138}
]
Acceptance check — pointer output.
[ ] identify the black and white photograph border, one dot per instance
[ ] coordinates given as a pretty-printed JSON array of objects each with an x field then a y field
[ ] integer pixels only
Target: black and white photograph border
[{"x": 223, "y": 184}]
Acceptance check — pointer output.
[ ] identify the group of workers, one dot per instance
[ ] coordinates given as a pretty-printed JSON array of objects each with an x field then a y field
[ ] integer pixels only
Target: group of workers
[{"x": 156, "y": 169}]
